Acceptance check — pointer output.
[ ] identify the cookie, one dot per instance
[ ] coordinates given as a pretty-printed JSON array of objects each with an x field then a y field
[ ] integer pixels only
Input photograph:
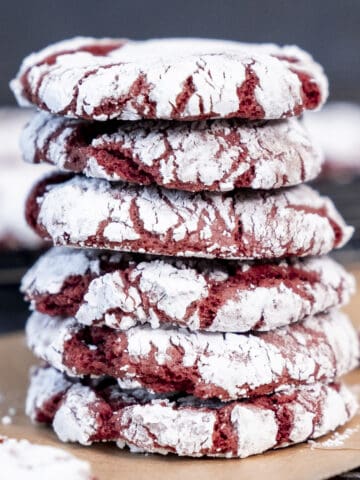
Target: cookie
[
  {"x": 123, "y": 290},
  {"x": 215, "y": 155},
  {"x": 177, "y": 79},
  {"x": 337, "y": 130},
  {"x": 223, "y": 365},
  {"x": 16, "y": 180},
  {"x": 23, "y": 460},
  {"x": 245, "y": 224},
  {"x": 100, "y": 411}
]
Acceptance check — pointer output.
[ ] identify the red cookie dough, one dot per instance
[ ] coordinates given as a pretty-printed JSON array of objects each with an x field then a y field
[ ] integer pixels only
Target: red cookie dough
[
  {"x": 97, "y": 412},
  {"x": 215, "y": 155},
  {"x": 227, "y": 366},
  {"x": 177, "y": 79},
  {"x": 244, "y": 224},
  {"x": 22, "y": 460},
  {"x": 122, "y": 290}
]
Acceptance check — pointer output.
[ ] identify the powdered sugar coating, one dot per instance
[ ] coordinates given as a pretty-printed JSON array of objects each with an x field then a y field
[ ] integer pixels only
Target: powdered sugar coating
[
  {"x": 37, "y": 396},
  {"x": 51, "y": 338},
  {"x": 188, "y": 427},
  {"x": 67, "y": 424},
  {"x": 215, "y": 155},
  {"x": 227, "y": 366},
  {"x": 23, "y": 460},
  {"x": 121, "y": 290},
  {"x": 170, "y": 79},
  {"x": 52, "y": 269},
  {"x": 246, "y": 224}
]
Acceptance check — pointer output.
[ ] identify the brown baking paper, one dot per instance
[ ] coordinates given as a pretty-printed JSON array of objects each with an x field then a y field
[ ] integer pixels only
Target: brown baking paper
[{"x": 313, "y": 460}]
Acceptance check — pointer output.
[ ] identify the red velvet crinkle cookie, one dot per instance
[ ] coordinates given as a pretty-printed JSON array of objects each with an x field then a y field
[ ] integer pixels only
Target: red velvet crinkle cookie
[
  {"x": 228, "y": 366},
  {"x": 22, "y": 460},
  {"x": 100, "y": 411},
  {"x": 123, "y": 290},
  {"x": 215, "y": 155},
  {"x": 177, "y": 79},
  {"x": 245, "y": 224}
]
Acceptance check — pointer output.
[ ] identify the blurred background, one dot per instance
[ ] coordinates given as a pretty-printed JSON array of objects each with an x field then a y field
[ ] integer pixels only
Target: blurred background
[{"x": 329, "y": 29}]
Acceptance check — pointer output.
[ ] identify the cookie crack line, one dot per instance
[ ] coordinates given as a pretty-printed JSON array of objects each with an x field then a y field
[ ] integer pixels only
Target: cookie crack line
[
  {"x": 123, "y": 290},
  {"x": 92, "y": 411},
  {"x": 262, "y": 81},
  {"x": 215, "y": 155},
  {"x": 290, "y": 222},
  {"x": 207, "y": 365}
]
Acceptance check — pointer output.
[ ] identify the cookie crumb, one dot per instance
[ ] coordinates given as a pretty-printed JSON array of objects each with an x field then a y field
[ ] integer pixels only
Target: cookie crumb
[
  {"x": 336, "y": 440},
  {"x": 6, "y": 420}
]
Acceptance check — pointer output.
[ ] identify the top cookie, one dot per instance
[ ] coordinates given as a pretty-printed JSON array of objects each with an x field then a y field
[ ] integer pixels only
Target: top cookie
[{"x": 182, "y": 79}]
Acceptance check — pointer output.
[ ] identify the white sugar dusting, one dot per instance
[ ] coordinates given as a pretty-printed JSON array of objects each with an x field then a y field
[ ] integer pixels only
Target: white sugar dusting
[
  {"x": 189, "y": 428},
  {"x": 235, "y": 363},
  {"x": 163, "y": 68},
  {"x": 196, "y": 155},
  {"x": 21, "y": 459},
  {"x": 294, "y": 221},
  {"x": 336, "y": 440}
]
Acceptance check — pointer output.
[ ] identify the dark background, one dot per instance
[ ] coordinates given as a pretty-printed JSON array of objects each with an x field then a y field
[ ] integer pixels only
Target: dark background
[{"x": 330, "y": 29}]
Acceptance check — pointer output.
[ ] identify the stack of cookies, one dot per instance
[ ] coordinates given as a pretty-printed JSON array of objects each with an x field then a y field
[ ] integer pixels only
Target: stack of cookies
[{"x": 195, "y": 312}]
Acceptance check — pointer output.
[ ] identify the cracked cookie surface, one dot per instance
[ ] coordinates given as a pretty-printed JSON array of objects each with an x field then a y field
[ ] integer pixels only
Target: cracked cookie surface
[
  {"x": 89, "y": 412},
  {"x": 217, "y": 155},
  {"x": 184, "y": 79},
  {"x": 123, "y": 290},
  {"x": 243, "y": 224},
  {"x": 223, "y": 365}
]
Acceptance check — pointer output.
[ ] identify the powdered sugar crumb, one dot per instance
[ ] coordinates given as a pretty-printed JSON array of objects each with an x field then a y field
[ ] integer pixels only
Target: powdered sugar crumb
[
  {"x": 6, "y": 420},
  {"x": 21, "y": 459},
  {"x": 336, "y": 440}
]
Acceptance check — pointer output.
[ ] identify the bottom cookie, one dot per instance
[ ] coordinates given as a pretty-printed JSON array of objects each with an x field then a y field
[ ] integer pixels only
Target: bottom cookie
[{"x": 98, "y": 410}]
